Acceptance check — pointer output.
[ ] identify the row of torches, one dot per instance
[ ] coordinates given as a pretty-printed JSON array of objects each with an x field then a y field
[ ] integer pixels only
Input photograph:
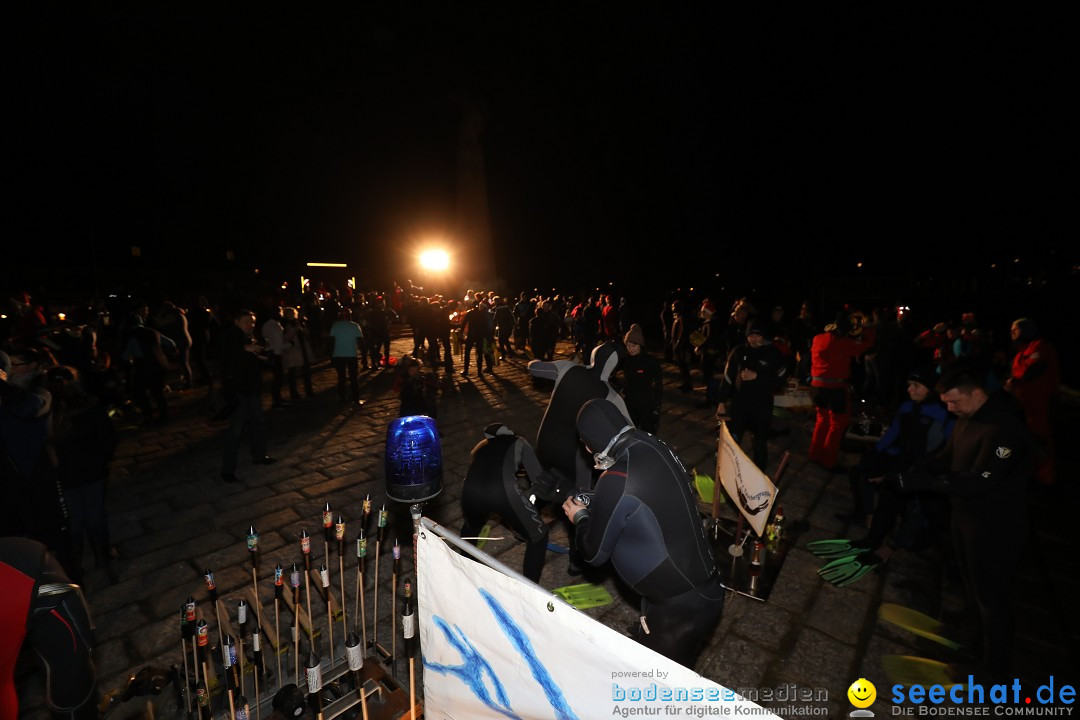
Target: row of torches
[{"x": 355, "y": 642}]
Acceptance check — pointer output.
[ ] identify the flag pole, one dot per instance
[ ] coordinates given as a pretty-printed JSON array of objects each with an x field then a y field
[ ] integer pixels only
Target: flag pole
[{"x": 717, "y": 484}]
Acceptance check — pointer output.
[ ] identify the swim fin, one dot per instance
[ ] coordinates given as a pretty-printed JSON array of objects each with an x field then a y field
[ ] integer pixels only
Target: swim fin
[
  {"x": 839, "y": 548},
  {"x": 847, "y": 570}
]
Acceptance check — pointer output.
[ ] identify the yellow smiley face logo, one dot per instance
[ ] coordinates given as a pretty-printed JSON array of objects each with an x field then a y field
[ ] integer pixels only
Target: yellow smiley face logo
[{"x": 862, "y": 693}]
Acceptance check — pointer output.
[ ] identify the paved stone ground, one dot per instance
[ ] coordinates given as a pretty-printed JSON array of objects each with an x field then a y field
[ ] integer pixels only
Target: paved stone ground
[{"x": 171, "y": 518}]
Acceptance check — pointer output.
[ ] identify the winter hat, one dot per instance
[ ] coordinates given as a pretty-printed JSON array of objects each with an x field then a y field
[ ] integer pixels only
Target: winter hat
[
  {"x": 927, "y": 376},
  {"x": 635, "y": 335}
]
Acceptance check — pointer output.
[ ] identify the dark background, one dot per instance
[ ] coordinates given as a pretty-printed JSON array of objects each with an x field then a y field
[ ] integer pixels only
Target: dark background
[{"x": 877, "y": 157}]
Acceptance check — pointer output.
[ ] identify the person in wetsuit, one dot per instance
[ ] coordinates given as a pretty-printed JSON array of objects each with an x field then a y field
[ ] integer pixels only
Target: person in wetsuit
[
  {"x": 643, "y": 517},
  {"x": 754, "y": 371},
  {"x": 557, "y": 444},
  {"x": 42, "y": 609},
  {"x": 492, "y": 488}
]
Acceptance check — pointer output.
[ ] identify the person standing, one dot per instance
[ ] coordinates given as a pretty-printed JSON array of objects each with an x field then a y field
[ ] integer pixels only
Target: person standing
[
  {"x": 644, "y": 382},
  {"x": 477, "y": 332},
  {"x": 711, "y": 350},
  {"x": 591, "y": 316},
  {"x": 609, "y": 319},
  {"x": 681, "y": 329},
  {"x": 145, "y": 349},
  {"x": 831, "y": 355},
  {"x": 297, "y": 354},
  {"x": 440, "y": 314},
  {"x": 242, "y": 360},
  {"x": 83, "y": 442},
  {"x": 34, "y": 505},
  {"x": 643, "y": 517},
  {"x": 347, "y": 338},
  {"x": 523, "y": 312},
  {"x": 802, "y": 336},
  {"x": 1035, "y": 380},
  {"x": 984, "y": 468},
  {"x": 274, "y": 334},
  {"x": 755, "y": 370},
  {"x": 667, "y": 319},
  {"x": 504, "y": 327},
  {"x": 172, "y": 322},
  {"x": 379, "y": 345},
  {"x": 203, "y": 328}
]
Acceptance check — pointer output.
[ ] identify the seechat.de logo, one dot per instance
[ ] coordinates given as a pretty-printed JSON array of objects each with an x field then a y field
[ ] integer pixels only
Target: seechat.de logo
[{"x": 1001, "y": 700}]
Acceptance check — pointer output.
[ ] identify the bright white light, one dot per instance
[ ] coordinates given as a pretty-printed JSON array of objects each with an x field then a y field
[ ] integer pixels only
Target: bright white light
[{"x": 434, "y": 260}]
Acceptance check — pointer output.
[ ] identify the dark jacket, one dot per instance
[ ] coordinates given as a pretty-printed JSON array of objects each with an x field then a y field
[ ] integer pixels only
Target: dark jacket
[
  {"x": 984, "y": 466},
  {"x": 241, "y": 371},
  {"x": 766, "y": 361}
]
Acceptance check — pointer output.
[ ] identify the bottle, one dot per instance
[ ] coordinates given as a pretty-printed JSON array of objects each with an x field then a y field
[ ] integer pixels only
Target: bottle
[
  {"x": 755, "y": 567},
  {"x": 774, "y": 533},
  {"x": 408, "y": 620}
]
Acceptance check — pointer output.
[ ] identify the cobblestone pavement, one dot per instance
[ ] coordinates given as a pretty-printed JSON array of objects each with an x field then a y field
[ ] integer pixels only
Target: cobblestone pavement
[{"x": 172, "y": 517}]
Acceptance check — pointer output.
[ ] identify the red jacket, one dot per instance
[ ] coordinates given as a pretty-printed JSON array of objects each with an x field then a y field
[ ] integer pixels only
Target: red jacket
[
  {"x": 1036, "y": 364},
  {"x": 830, "y": 359}
]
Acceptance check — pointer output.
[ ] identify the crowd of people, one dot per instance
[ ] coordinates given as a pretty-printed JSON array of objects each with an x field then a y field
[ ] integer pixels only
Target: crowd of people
[{"x": 973, "y": 416}]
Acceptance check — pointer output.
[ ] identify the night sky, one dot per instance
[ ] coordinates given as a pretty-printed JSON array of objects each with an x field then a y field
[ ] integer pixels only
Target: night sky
[{"x": 659, "y": 147}]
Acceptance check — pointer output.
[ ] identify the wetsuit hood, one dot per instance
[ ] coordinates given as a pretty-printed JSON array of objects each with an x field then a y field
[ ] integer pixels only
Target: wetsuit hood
[
  {"x": 598, "y": 422},
  {"x": 604, "y": 360}
]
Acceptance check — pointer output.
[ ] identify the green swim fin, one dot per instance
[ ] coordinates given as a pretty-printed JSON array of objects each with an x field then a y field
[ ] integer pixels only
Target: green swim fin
[
  {"x": 847, "y": 570},
  {"x": 584, "y": 595},
  {"x": 840, "y": 548}
]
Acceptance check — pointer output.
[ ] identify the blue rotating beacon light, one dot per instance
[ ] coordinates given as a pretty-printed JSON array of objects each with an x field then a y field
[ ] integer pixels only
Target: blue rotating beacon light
[{"x": 413, "y": 460}]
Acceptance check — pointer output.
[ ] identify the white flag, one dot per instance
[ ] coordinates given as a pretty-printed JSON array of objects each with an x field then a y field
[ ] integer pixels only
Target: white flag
[
  {"x": 497, "y": 646},
  {"x": 750, "y": 489}
]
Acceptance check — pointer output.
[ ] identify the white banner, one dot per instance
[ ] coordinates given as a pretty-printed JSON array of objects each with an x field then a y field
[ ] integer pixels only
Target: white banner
[
  {"x": 496, "y": 646},
  {"x": 751, "y": 490}
]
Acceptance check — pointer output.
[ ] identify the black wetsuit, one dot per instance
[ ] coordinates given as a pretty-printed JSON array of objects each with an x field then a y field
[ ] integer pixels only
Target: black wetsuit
[
  {"x": 41, "y": 608},
  {"x": 491, "y": 487},
  {"x": 984, "y": 468},
  {"x": 557, "y": 444},
  {"x": 752, "y": 400},
  {"x": 643, "y": 517}
]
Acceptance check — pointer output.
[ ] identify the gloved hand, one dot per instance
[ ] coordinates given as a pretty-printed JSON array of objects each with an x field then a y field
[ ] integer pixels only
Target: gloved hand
[{"x": 545, "y": 487}]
